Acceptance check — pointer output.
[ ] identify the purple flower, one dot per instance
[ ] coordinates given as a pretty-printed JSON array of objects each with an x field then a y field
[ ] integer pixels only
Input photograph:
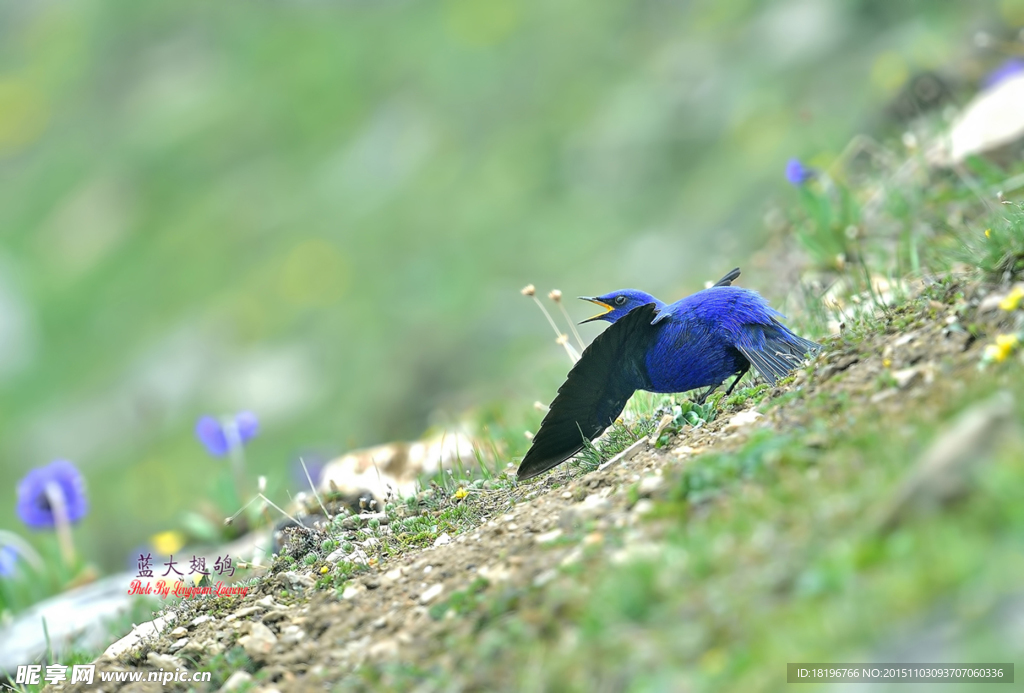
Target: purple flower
[
  {"x": 219, "y": 438},
  {"x": 1010, "y": 68},
  {"x": 796, "y": 173},
  {"x": 8, "y": 560},
  {"x": 44, "y": 487}
]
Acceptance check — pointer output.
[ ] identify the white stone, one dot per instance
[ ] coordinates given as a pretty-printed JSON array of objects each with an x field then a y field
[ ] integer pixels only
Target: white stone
[
  {"x": 548, "y": 537},
  {"x": 259, "y": 642},
  {"x": 352, "y": 591},
  {"x": 138, "y": 634},
  {"x": 431, "y": 593},
  {"x": 650, "y": 484},
  {"x": 744, "y": 418},
  {"x": 236, "y": 681}
]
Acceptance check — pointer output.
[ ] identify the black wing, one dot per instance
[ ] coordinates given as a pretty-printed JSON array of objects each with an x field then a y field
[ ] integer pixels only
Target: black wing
[
  {"x": 727, "y": 279},
  {"x": 610, "y": 370}
]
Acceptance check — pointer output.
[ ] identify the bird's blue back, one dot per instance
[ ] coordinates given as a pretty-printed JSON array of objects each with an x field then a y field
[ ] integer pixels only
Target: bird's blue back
[{"x": 698, "y": 343}]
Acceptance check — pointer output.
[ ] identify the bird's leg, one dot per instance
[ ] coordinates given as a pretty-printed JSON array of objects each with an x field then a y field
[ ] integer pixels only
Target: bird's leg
[
  {"x": 705, "y": 395},
  {"x": 738, "y": 377}
]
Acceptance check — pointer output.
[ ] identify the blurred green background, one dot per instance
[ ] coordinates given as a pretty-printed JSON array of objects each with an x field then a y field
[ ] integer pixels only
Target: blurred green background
[{"x": 323, "y": 211}]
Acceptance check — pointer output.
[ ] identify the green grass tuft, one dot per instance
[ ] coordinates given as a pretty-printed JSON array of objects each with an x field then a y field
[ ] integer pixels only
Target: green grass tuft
[{"x": 998, "y": 250}]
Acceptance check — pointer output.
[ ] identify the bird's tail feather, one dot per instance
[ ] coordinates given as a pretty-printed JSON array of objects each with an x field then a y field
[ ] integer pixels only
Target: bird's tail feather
[
  {"x": 727, "y": 279},
  {"x": 782, "y": 351}
]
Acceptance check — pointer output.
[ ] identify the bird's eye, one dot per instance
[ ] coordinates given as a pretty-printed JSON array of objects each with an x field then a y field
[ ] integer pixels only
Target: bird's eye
[{"x": 620, "y": 300}]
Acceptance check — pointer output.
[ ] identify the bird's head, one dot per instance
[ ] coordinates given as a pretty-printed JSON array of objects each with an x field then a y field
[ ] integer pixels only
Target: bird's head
[{"x": 618, "y": 303}]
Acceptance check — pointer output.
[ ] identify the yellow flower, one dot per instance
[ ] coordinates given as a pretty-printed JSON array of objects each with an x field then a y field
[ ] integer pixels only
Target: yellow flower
[
  {"x": 886, "y": 362},
  {"x": 461, "y": 493},
  {"x": 1012, "y": 299},
  {"x": 988, "y": 233},
  {"x": 1007, "y": 342},
  {"x": 324, "y": 570},
  {"x": 1004, "y": 346},
  {"x": 166, "y": 543}
]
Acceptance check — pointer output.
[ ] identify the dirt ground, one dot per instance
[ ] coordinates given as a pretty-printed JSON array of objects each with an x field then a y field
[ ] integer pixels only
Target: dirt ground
[{"x": 300, "y": 638}]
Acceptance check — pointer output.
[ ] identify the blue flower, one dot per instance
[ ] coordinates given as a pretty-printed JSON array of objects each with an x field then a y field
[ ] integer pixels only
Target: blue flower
[
  {"x": 220, "y": 438},
  {"x": 1010, "y": 68},
  {"x": 58, "y": 482},
  {"x": 8, "y": 560},
  {"x": 798, "y": 174}
]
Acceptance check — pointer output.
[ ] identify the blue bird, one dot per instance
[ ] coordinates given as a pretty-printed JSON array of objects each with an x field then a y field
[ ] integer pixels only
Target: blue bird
[{"x": 696, "y": 342}]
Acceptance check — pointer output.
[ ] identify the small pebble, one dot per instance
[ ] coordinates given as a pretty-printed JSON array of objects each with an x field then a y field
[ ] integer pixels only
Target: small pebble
[
  {"x": 236, "y": 681},
  {"x": 548, "y": 537},
  {"x": 431, "y": 593}
]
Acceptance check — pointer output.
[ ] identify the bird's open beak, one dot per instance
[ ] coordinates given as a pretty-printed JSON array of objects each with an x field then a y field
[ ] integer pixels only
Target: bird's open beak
[{"x": 607, "y": 308}]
